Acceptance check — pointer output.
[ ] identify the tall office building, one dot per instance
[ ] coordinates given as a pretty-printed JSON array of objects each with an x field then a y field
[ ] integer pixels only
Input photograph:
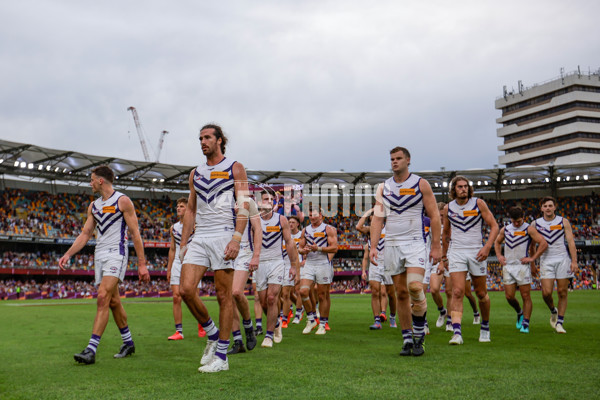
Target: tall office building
[{"x": 556, "y": 122}]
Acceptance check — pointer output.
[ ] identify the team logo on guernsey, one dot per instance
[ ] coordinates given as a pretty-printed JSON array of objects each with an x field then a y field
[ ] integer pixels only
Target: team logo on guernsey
[
  {"x": 408, "y": 192},
  {"x": 297, "y": 240},
  {"x": 556, "y": 227},
  {"x": 520, "y": 233},
  {"x": 109, "y": 210},
  {"x": 219, "y": 175},
  {"x": 319, "y": 234},
  {"x": 470, "y": 213},
  {"x": 273, "y": 228}
]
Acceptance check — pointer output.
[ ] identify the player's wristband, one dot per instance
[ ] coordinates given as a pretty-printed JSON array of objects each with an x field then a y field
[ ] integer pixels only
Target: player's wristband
[
  {"x": 237, "y": 237},
  {"x": 320, "y": 249}
]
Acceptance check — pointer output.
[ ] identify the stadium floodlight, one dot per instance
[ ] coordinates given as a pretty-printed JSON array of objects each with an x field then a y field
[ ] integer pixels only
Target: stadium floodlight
[
  {"x": 40, "y": 167},
  {"x": 445, "y": 184},
  {"x": 117, "y": 177},
  {"x": 585, "y": 177},
  {"x": 577, "y": 178},
  {"x": 56, "y": 169},
  {"x": 64, "y": 170},
  {"x": 528, "y": 180},
  {"x": 558, "y": 179},
  {"x": 23, "y": 164},
  {"x": 154, "y": 179},
  {"x": 546, "y": 180},
  {"x": 522, "y": 180},
  {"x": 485, "y": 182},
  {"x": 30, "y": 165},
  {"x": 436, "y": 184},
  {"x": 471, "y": 183},
  {"x": 478, "y": 183},
  {"x": 504, "y": 182},
  {"x": 48, "y": 168},
  {"x": 16, "y": 163},
  {"x": 1, "y": 160},
  {"x": 514, "y": 181},
  {"x": 162, "y": 180}
]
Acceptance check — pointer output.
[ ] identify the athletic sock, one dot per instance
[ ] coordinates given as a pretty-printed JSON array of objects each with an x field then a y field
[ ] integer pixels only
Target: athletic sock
[
  {"x": 323, "y": 321},
  {"x": 407, "y": 336},
  {"x": 485, "y": 326},
  {"x": 419, "y": 325},
  {"x": 525, "y": 323},
  {"x": 247, "y": 323},
  {"x": 94, "y": 342},
  {"x": 269, "y": 335},
  {"x": 392, "y": 315},
  {"x": 284, "y": 318},
  {"x": 237, "y": 336},
  {"x": 377, "y": 319},
  {"x": 126, "y": 336},
  {"x": 299, "y": 311},
  {"x": 211, "y": 330},
  {"x": 278, "y": 323},
  {"x": 554, "y": 311},
  {"x": 519, "y": 313},
  {"x": 457, "y": 329},
  {"x": 476, "y": 314},
  {"x": 442, "y": 311},
  {"x": 179, "y": 328},
  {"x": 561, "y": 319},
  {"x": 222, "y": 346},
  {"x": 311, "y": 316},
  {"x": 258, "y": 323}
]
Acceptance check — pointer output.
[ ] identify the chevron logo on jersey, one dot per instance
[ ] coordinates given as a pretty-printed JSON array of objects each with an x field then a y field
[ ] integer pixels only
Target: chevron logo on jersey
[
  {"x": 218, "y": 183},
  {"x": 106, "y": 220},
  {"x": 407, "y": 198}
]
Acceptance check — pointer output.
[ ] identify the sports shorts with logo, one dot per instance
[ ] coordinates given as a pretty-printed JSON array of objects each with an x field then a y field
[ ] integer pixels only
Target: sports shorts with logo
[
  {"x": 400, "y": 255},
  {"x": 269, "y": 272},
  {"x": 110, "y": 265},
  {"x": 321, "y": 273},
  {"x": 516, "y": 273},
  {"x": 465, "y": 260},
  {"x": 209, "y": 252},
  {"x": 556, "y": 268}
]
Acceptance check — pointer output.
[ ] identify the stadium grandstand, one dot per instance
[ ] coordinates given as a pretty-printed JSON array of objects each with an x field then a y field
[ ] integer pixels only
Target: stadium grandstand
[{"x": 44, "y": 192}]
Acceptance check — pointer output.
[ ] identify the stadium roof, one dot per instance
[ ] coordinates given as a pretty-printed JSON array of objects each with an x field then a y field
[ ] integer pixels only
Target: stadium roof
[{"x": 45, "y": 165}]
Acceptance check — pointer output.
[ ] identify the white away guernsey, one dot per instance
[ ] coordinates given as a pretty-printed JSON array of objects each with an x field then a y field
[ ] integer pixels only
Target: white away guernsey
[
  {"x": 296, "y": 240},
  {"x": 272, "y": 238},
  {"x": 403, "y": 205},
  {"x": 467, "y": 224},
  {"x": 111, "y": 227},
  {"x": 554, "y": 233},
  {"x": 215, "y": 199},
  {"x": 316, "y": 236},
  {"x": 380, "y": 246},
  {"x": 516, "y": 243}
]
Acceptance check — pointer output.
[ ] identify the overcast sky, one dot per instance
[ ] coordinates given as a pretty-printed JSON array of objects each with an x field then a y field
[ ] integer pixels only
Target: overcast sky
[{"x": 305, "y": 85}]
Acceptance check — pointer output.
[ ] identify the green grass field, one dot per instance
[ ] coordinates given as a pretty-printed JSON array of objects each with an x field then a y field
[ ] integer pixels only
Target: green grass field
[{"x": 38, "y": 340}]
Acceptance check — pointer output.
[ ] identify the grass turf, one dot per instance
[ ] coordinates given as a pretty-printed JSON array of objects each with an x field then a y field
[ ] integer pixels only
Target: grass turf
[{"x": 38, "y": 339}]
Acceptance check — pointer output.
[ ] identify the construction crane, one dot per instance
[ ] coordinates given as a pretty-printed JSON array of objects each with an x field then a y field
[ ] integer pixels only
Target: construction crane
[{"x": 142, "y": 136}]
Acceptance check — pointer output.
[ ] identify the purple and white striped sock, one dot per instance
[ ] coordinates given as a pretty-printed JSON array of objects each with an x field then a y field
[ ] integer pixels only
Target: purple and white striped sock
[
  {"x": 94, "y": 342},
  {"x": 126, "y": 336},
  {"x": 222, "y": 346},
  {"x": 211, "y": 330},
  {"x": 457, "y": 329},
  {"x": 407, "y": 336}
]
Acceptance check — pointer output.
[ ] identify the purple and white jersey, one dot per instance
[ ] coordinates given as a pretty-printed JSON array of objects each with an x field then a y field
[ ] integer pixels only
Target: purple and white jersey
[
  {"x": 427, "y": 223},
  {"x": 554, "y": 233},
  {"x": 466, "y": 224},
  {"x": 380, "y": 246},
  {"x": 215, "y": 199},
  {"x": 177, "y": 229},
  {"x": 296, "y": 238},
  {"x": 316, "y": 236},
  {"x": 516, "y": 243},
  {"x": 111, "y": 228},
  {"x": 272, "y": 238},
  {"x": 403, "y": 204}
]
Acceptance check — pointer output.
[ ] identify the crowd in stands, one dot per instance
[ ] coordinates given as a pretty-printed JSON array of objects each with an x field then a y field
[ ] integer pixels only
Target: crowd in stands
[{"x": 62, "y": 289}]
